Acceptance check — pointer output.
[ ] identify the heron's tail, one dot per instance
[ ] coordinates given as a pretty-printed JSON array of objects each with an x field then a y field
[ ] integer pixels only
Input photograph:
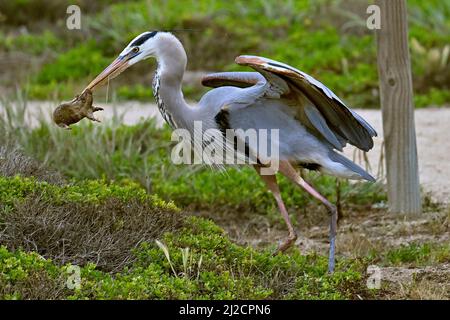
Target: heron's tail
[{"x": 356, "y": 171}]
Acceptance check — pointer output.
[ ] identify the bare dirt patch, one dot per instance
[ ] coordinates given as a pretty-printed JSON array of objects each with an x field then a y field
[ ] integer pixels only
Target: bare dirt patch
[{"x": 361, "y": 232}]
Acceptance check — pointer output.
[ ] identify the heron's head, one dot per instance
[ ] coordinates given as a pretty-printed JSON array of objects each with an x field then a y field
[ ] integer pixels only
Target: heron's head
[{"x": 142, "y": 47}]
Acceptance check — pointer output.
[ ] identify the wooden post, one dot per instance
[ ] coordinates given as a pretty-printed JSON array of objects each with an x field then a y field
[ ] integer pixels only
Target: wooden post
[{"x": 394, "y": 69}]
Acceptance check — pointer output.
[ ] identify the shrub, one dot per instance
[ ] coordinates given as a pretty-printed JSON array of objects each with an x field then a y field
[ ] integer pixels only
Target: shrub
[
  {"x": 196, "y": 262},
  {"x": 85, "y": 222}
]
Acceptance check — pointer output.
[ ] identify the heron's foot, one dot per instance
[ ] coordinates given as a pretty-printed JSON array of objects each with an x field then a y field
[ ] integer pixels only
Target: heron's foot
[{"x": 286, "y": 244}]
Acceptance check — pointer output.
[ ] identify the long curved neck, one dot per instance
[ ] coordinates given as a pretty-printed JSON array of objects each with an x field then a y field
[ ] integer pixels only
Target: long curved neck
[{"x": 167, "y": 82}]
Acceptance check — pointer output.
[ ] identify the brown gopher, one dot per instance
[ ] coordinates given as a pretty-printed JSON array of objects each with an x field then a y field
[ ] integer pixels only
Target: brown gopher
[{"x": 73, "y": 111}]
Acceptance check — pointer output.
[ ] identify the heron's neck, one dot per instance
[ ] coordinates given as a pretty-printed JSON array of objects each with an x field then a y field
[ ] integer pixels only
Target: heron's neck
[{"x": 167, "y": 83}]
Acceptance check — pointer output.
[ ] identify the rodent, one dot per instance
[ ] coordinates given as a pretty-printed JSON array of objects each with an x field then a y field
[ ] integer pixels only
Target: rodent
[{"x": 73, "y": 111}]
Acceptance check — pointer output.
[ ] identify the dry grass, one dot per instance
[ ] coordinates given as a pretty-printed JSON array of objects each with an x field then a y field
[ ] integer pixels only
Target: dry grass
[
  {"x": 429, "y": 283},
  {"x": 427, "y": 290},
  {"x": 14, "y": 162},
  {"x": 358, "y": 244},
  {"x": 80, "y": 233}
]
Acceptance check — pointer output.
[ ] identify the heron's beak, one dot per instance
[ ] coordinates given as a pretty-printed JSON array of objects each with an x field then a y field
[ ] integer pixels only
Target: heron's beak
[{"x": 112, "y": 71}]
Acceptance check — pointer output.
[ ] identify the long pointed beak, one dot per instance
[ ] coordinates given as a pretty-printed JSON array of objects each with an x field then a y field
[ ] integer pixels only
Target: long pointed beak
[{"x": 111, "y": 71}]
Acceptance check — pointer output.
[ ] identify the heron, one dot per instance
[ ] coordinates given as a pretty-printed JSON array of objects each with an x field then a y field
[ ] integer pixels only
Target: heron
[{"x": 313, "y": 124}]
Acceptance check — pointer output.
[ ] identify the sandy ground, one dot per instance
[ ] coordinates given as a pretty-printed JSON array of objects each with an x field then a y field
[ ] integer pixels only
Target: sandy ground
[
  {"x": 433, "y": 145},
  {"x": 432, "y": 125}
]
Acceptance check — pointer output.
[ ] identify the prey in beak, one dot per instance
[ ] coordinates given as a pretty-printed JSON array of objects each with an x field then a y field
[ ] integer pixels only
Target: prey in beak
[{"x": 81, "y": 106}]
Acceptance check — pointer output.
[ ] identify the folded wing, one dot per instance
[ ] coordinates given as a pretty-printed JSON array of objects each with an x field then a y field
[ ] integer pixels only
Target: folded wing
[{"x": 313, "y": 104}]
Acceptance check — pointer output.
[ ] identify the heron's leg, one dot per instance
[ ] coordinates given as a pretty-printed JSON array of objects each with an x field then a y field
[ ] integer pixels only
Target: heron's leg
[
  {"x": 272, "y": 185},
  {"x": 289, "y": 171}
]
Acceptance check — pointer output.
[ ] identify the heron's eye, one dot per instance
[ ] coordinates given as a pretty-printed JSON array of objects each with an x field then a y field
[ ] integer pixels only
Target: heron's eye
[{"x": 135, "y": 49}]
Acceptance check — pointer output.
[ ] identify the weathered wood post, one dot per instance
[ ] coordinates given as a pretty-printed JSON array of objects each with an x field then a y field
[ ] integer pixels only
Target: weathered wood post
[{"x": 394, "y": 69}]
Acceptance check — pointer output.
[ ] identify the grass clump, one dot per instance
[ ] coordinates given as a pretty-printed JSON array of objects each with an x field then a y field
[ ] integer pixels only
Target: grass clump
[
  {"x": 27, "y": 275},
  {"x": 419, "y": 254}
]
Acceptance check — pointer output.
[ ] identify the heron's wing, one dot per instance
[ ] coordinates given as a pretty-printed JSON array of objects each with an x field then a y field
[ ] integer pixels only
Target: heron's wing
[
  {"x": 316, "y": 106},
  {"x": 235, "y": 79}
]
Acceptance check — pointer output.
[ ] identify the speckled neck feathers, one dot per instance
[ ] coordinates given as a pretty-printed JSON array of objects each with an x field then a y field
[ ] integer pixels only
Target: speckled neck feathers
[{"x": 167, "y": 116}]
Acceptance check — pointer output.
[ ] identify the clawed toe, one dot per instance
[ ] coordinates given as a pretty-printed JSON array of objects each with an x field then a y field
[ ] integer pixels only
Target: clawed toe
[
  {"x": 93, "y": 119},
  {"x": 64, "y": 126},
  {"x": 285, "y": 245}
]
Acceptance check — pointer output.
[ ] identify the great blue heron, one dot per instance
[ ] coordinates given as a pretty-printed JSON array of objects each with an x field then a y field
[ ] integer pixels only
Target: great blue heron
[{"x": 312, "y": 121}]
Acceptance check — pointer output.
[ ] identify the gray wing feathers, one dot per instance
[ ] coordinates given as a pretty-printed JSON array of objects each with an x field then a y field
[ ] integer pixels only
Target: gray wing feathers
[
  {"x": 340, "y": 118},
  {"x": 331, "y": 95},
  {"x": 235, "y": 79},
  {"x": 363, "y": 122},
  {"x": 342, "y": 122},
  {"x": 316, "y": 119},
  {"x": 336, "y": 157}
]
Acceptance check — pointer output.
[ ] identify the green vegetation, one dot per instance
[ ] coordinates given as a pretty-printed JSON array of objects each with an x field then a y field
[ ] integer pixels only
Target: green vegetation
[
  {"x": 296, "y": 277},
  {"x": 83, "y": 222},
  {"x": 419, "y": 254},
  {"x": 90, "y": 191},
  {"x": 327, "y": 39},
  {"x": 196, "y": 261},
  {"x": 103, "y": 215},
  {"x": 109, "y": 226},
  {"x": 108, "y": 199},
  {"x": 30, "y": 43},
  {"x": 192, "y": 259}
]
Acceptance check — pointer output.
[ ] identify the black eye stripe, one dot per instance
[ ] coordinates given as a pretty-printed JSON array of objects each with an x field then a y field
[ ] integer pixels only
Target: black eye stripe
[{"x": 143, "y": 38}]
